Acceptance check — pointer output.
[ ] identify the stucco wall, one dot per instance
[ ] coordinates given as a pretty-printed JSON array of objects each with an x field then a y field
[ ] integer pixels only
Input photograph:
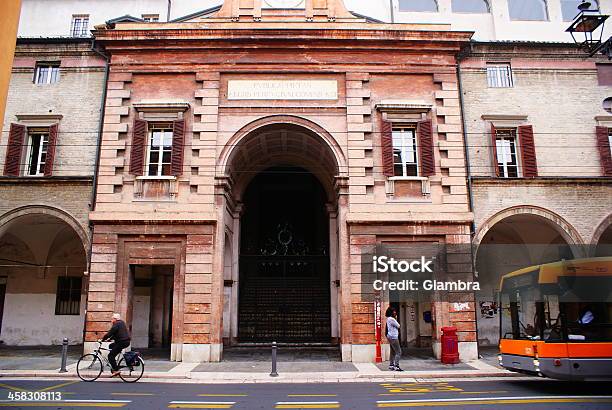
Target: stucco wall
[
  {"x": 76, "y": 97},
  {"x": 560, "y": 99}
]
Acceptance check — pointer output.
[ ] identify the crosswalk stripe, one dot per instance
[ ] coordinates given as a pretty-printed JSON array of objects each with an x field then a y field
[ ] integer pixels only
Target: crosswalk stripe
[
  {"x": 201, "y": 404},
  {"x": 65, "y": 403},
  {"x": 307, "y": 405}
]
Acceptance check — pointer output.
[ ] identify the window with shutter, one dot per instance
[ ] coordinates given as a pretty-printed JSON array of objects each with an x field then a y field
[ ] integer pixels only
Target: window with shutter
[
  {"x": 496, "y": 169},
  {"x": 159, "y": 150},
  {"x": 528, "y": 154},
  {"x": 387, "y": 148},
  {"x": 50, "y": 155},
  {"x": 506, "y": 163},
  {"x": 139, "y": 137},
  {"x": 405, "y": 156},
  {"x": 426, "y": 148},
  {"x": 14, "y": 150},
  {"x": 178, "y": 146},
  {"x": 604, "y": 142}
]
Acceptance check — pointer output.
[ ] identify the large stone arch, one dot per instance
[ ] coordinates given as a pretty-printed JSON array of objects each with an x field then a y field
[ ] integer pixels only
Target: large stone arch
[
  {"x": 565, "y": 229},
  {"x": 511, "y": 239},
  {"x": 328, "y": 163},
  {"x": 60, "y": 214},
  {"x": 601, "y": 228},
  {"x": 282, "y": 154},
  {"x": 601, "y": 241}
]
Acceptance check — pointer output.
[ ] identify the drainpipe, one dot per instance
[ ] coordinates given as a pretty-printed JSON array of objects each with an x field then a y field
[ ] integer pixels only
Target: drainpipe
[
  {"x": 466, "y": 150},
  {"x": 391, "y": 13},
  {"x": 169, "y": 10},
  {"x": 100, "y": 124},
  {"x": 462, "y": 54}
]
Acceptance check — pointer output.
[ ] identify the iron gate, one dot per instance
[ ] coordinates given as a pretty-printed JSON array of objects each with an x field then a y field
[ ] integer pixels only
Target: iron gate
[{"x": 284, "y": 299}]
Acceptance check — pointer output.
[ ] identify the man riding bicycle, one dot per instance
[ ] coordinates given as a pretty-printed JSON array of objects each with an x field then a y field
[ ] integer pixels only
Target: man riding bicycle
[{"x": 120, "y": 336}]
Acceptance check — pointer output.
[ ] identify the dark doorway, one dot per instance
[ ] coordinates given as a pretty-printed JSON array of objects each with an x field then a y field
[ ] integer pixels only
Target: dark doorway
[
  {"x": 152, "y": 306},
  {"x": 284, "y": 291}
]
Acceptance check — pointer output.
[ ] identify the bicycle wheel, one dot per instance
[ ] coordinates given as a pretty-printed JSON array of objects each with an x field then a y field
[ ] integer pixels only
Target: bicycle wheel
[
  {"x": 131, "y": 374},
  {"x": 89, "y": 367}
]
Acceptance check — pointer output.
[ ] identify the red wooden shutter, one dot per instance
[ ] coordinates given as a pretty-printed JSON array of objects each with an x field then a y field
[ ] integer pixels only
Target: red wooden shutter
[
  {"x": 139, "y": 138},
  {"x": 178, "y": 146},
  {"x": 528, "y": 155},
  {"x": 603, "y": 144},
  {"x": 386, "y": 140},
  {"x": 14, "y": 150},
  {"x": 494, "y": 150},
  {"x": 50, "y": 158},
  {"x": 426, "y": 148}
]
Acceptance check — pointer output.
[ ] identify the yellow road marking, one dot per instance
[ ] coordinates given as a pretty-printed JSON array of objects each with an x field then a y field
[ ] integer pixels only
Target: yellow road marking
[
  {"x": 492, "y": 401},
  {"x": 312, "y": 395},
  {"x": 6, "y": 386},
  {"x": 223, "y": 395},
  {"x": 60, "y": 385}
]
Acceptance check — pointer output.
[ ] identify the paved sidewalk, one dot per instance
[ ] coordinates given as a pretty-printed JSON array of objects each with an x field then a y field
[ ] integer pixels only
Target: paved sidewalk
[{"x": 237, "y": 369}]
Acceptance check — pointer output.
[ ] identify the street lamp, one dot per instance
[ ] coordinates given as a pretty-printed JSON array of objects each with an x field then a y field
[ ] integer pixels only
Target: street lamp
[{"x": 591, "y": 24}]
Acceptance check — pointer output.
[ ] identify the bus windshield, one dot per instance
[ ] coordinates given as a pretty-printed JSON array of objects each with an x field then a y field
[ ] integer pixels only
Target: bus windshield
[{"x": 575, "y": 309}]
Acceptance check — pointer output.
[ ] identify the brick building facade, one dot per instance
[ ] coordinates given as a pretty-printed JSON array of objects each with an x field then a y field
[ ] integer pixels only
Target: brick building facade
[{"x": 288, "y": 128}]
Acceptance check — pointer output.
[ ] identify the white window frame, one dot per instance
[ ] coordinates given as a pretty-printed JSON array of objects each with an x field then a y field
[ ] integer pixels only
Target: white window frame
[
  {"x": 160, "y": 164},
  {"x": 150, "y": 18},
  {"x": 401, "y": 10},
  {"x": 610, "y": 139},
  {"x": 487, "y": 8},
  {"x": 546, "y": 12},
  {"x": 44, "y": 148},
  {"x": 51, "y": 79},
  {"x": 502, "y": 75},
  {"x": 83, "y": 21},
  {"x": 514, "y": 138},
  {"x": 403, "y": 130},
  {"x": 594, "y": 6}
]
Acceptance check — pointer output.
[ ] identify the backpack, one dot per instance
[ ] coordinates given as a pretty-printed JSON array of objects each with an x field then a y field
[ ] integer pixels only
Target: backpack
[{"x": 131, "y": 358}]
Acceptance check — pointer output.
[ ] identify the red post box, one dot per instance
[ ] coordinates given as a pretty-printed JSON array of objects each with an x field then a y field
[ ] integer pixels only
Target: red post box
[{"x": 450, "y": 345}]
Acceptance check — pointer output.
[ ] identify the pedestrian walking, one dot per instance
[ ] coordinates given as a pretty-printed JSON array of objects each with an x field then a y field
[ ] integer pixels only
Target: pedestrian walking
[{"x": 393, "y": 338}]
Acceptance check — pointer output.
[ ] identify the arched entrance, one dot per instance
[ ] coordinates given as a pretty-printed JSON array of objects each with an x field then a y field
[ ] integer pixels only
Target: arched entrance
[
  {"x": 42, "y": 283},
  {"x": 601, "y": 244},
  {"x": 283, "y": 172},
  {"x": 284, "y": 259},
  {"x": 512, "y": 240}
]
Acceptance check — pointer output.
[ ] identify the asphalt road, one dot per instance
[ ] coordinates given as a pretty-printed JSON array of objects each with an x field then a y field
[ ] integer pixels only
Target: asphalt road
[{"x": 482, "y": 394}]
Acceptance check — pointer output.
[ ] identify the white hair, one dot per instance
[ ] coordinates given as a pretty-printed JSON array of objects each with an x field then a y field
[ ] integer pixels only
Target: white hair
[{"x": 116, "y": 316}]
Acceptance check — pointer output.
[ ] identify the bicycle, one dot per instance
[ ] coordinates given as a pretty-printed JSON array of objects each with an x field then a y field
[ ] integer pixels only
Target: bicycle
[{"x": 90, "y": 366}]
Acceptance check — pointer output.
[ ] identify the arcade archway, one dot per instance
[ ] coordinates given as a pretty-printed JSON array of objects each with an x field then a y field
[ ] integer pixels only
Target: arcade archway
[
  {"x": 284, "y": 185},
  {"x": 517, "y": 240},
  {"x": 42, "y": 282}
]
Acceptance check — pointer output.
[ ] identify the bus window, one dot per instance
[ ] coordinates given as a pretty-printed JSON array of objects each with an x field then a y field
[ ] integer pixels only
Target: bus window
[
  {"x": 520, "y": 314},
  {"x": 588, "y": 321}
]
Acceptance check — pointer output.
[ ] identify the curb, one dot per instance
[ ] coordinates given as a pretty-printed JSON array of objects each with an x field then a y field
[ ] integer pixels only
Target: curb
[{"x": 201, "y": 377}]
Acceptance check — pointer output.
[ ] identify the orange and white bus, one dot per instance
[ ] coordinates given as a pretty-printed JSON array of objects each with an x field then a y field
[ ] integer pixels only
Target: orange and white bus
[{"x": 556, "y": 320}]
